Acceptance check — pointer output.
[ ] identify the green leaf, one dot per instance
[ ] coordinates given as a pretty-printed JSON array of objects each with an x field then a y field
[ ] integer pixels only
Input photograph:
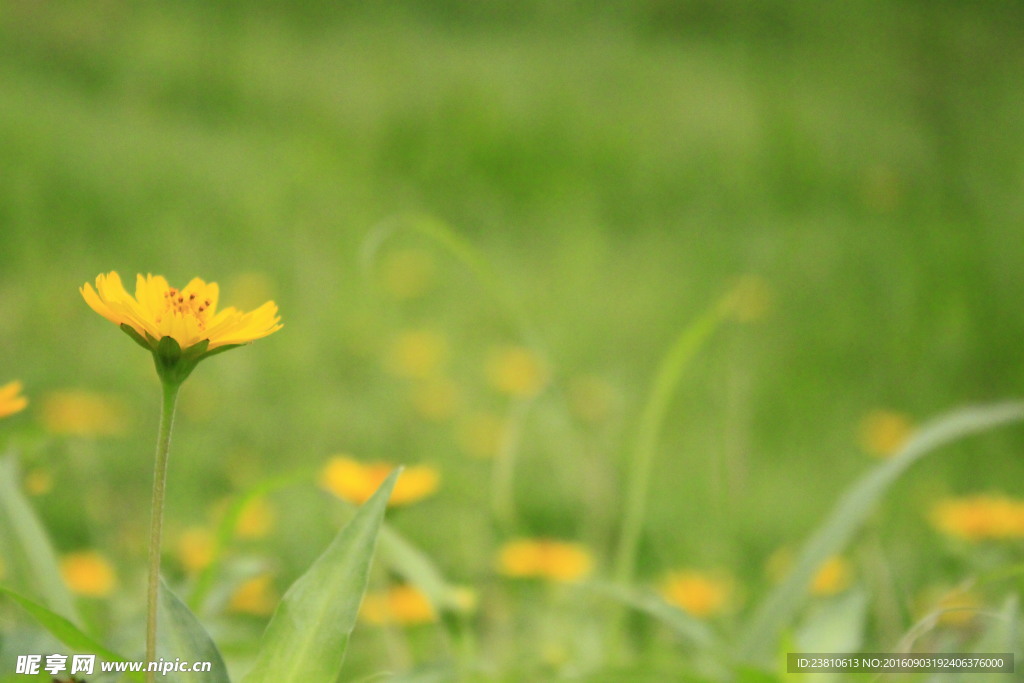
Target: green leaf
[
  {"x": 63, "y": 630},
  {"x": 181, "y": 636},
  {"x": 26, "y": 546},
  {"x": 849, "y": 513},
  {"x": 139, "y": 339},
  {"x": 306, "y": 638}
]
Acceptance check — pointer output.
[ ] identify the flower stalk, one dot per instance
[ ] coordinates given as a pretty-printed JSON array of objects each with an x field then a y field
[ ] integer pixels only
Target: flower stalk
[{"x": 163, "y": 447}]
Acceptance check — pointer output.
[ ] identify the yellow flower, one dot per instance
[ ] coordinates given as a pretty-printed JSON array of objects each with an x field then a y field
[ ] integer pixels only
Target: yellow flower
[
  {"x": 404, "y": 605},
  {"x": 83, "y": 413},
  {"x": 417, "y": 354},
  {"x": 88, "y": 573},
  {"x": 195, "y": 549},
  {"x": 355, "y": 482},
  {"x": 883, "y": 433},
  {"x": 479, "y": 434},
  {"x": 697, "y": 593},
  {"x": 980, "y": 517},
  {"x": 255, "y": 520},
  {"x": 180, "y": 326},
  {"x": 956, "y": 607},
  {"x": 256, "y": 596},
  {"x": 516, "y": 371},
  {"x": 10, "y": 401},
  {"x": 38, "y": 482},
  {"x": 544, "y": 559},
  {"x": 834, "y": 576}
]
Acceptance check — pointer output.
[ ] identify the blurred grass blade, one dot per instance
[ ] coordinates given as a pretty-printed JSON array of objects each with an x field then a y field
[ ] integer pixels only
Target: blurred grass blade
[
  {"x": 181, "y": 636},
  {"x": 666, "y": 380},
  {"x": 306, "y": 638},
  {"x": 417, "y": 568},
  {"x": 835, "y": 625},
  {"x": 63, "y": 630},
  {"x": 674, "y": 618},
  {"x": 27, "y": 546},
  {"x": 228, "y": 526},
  {"x": 462, "y": 251},
  {"x": 852, "y": 509}
]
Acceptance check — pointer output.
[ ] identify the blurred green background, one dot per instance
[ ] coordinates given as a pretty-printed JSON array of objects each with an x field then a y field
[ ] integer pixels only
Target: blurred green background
[{"x": 619, "y": 165}]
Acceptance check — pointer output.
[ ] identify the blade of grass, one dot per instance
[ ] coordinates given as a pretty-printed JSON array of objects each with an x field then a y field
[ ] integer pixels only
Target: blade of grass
[
  {"x": 417, "y": 568},
  {"x": 183, "y": 637},
  {"x": 464, "y": 252},
  {"x": 31, "y": 552},
  {"x": 503, "y": 480},
  {"x": 777, "y": 609},
  {"x": 681, "y": 623},
  {"x": 63, "y": 630},
  {"x": 307, "y": 636},
  {"x": 666, "y": 381}
]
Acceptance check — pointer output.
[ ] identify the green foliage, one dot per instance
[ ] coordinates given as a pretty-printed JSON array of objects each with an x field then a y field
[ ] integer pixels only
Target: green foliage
[
  {"x": 308, "y": 634},
  {"x": 582, "y": 181},
  {"x": 27, "y": 548},
  {"x": 181, "y": 636},
  {"x": 63, "y": 630}
]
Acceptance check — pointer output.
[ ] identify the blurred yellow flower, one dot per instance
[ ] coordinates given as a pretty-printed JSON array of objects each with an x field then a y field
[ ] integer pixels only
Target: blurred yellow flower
[
  {"x": 751, "y": 299},
  {"x": 83, "y": 413},
  {"x": 416, "y": 354},
  {"x": 883, "y": 433},
  {"x": 516, "y": 371},
  {"x": 436, "y": 398},
  {"x": 404, "y": 605},
  {"x": 479, "y": 434},
  {"x": 38, "y": 482},
  {"x": 981, "y": 517},
  {"x": 255, "y": 596},
  {"x": 407, "y": 274},
  {"x": 256, "y": 519},
  {"x": 10, "y": 401},
  {"x": 834, "y": 576},
  {"x": 195, "y": 548},
  {"x": 699, "y": 594},
  {"x": 189, "y": 315},
  {"x": 951, "y": 607},
  {"x": 355, "y": 482},
  {"x": 88, "y": 573},
  {"x": 544, "y": 559}
]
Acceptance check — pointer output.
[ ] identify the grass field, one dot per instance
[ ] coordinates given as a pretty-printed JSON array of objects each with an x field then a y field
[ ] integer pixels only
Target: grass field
[{"x": 485, "y": 227}]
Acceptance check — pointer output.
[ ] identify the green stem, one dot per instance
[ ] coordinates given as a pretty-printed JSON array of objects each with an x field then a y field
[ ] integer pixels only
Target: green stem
[{"x": 163, "y": 445}]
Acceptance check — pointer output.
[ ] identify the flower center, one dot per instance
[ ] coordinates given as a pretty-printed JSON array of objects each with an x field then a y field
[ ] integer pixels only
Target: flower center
[{"x": 185, "y": 304}]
